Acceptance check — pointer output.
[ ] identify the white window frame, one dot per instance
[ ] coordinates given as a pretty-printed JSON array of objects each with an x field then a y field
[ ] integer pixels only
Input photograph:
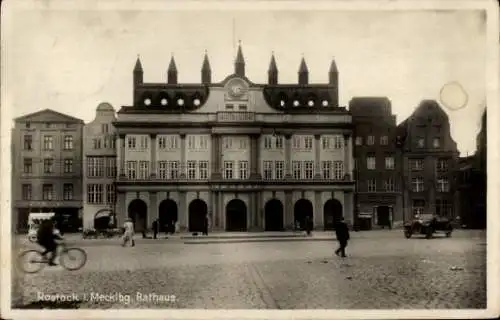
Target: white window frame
[
  {"x": 173, "y": 169},
  {"x": 48, "y": 143},
  {"x": 267, "y": 170},
  {"x": 163, "y": 170},
  {"x": 338, "y": 170},
  {"x": 268, "y": 143},
  {"x": 191, "y": 170},
  {"x": 279, "y": 142},
  {"x": 371, "y": 163},
  {"x": 416, "y": 164},
  {"x": 389, "y": 185},
  {"x": 68, "y": 191},
  {"x": 296, "y": 142},
  {"x": 384, "y": 140},
  {"x": 297, "y": 170},
  {"x": 131, "y": 143},
  {"x": 338, "y": 142},
  {"x": 326, "y": 169},
  {"x": 417, "y": 184},
  {"x": 308, "y": 143},
  {"x": 308, "y": 170},
  {"x": 325, "y": 142},
  {"x": 420, "y": 142},
  {"x": 370, "y": 140},
  {"x": 359, "y": 141},
  {"x": 227, "y": 143},
  {"x": 228, "y": 169},
  {"x": 436, "y": 145},
  {"x": 68, "y": 142},
  {"x": 279, "y": 169},
  {"x": 418, "y": 209},
  {"x": 191, "y": 145},
  {"x": 371, "y": 185},
  {"x": 443, "y": 184},
  {"x": 203, "y": 170},
  {"x": 110, "y": 164},
  {"x": 243, "y": 169},
  {"x": 131, "y": 170},
  {"x": 110, "y": 194},
  {"x": 162, "y": 143},
  {"x": 389, "y": 163}
]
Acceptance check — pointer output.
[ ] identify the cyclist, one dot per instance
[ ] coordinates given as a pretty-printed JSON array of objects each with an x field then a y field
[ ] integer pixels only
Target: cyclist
[{"x": 46, "y": 237}]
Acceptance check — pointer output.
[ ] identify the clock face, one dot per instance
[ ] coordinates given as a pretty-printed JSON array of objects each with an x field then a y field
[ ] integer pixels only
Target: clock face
[{"x": 236, "y": 88}]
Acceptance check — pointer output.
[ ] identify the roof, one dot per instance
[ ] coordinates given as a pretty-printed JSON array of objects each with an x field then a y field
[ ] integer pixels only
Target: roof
[
  {"x": 48, "y": 115},
  {"x": 105, "y": 106}
]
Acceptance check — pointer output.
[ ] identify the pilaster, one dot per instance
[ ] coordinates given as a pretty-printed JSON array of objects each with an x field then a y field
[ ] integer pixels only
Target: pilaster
[
  {"x": 153, "y": 155},
  {"x": 121, "y": 163},
  {"x": 121, "y": 209},
  {"x": 348, "y": 166},
  {"x": 183, "y": 157},
  {"x": 288, "y": 218},
  {"x": 183, "y": 214},
  {"x": 288, "y": 156},
  {"x": 318, "y": 212},
  {"x": 216, "y": 144},
  {"x": 153, "y": 204},
  {"x": 348, "y": 208},
  {"x": 317, "y": 156},
  {"x": 255, "y": 157}
]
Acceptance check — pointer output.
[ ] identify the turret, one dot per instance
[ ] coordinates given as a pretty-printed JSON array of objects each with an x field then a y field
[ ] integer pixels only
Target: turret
[
  {"x": 206, "y": 71},
  {"x": 273, "y": 71},
  {"x": 172, "y": 72},
  {"x": 138, "y": 72},
  {"x": 303, "y": 73},
  {"x": 239, "y": 64}
]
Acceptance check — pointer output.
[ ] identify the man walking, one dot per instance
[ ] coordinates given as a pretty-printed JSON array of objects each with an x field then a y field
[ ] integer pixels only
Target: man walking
[
  {"x": 342, "y": 232},
  {"x": 155, "y": 228},
  {"x": 128, "y": 234}
]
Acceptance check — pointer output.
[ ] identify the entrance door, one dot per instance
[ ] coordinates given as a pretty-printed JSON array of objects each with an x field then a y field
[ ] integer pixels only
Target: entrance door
[
  {"x": 332, "y": 213},
  {"x": 236, "y": 215},
  {"x": 383, "y": 213},
  {"x": 273, "y": 212},
  {"x": 198, "y": 210},
  {"x": 167, "y": 215},
  {"x": 303, "y": 208},
  {"x": 138, "y": 212}
]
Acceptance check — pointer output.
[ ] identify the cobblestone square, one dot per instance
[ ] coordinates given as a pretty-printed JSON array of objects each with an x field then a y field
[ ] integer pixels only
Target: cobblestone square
[{"x": 382, "y": 270}]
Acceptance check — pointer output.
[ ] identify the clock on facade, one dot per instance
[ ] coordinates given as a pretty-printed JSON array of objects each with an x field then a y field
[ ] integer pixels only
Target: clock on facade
[{"x": 237, "y": 88}]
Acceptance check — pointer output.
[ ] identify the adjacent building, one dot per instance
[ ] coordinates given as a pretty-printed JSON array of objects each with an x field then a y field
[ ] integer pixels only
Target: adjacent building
[
  {"x": 46, "y": 168},
  {"x": 377, "y": 163},
  {"x": 250, "y": 156},
  {"x": 99, "y": 168},
  {"x": 430, "y": 162}
]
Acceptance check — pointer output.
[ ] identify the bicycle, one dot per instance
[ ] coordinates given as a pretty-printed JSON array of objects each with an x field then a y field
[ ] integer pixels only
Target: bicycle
[{"x": 37, "y": 261}]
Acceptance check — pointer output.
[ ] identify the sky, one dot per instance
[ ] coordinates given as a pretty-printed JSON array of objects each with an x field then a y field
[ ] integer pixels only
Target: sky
[{"x": 72, "y": 60}]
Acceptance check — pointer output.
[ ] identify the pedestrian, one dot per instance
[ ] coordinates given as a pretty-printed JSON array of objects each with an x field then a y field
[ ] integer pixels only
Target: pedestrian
[
  {"x": 205, "y": 225},
  {"x": 128, "y": 233},
  {"x": 308, "y": 225},
  {"x": 342, "y": 232},
  {"x": 155, "y": 228}
]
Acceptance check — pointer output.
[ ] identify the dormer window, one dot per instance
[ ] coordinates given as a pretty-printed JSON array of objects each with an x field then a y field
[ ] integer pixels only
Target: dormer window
[
  {"x": 310, "y": 103},
  {"x": 282, "y": 103},
  {"x": 325, "y": 103},
  {"x": 180, "y": 102},
  {"x": 164, "y": 102},
  {"x": 147, "y": 101},
  {"x": 196, "y": 102},
  {"x": 296, "y": 103}
]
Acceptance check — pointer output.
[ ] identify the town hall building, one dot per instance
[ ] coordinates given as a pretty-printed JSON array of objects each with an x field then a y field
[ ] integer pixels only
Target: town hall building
[{"x": 249, "y": 156}]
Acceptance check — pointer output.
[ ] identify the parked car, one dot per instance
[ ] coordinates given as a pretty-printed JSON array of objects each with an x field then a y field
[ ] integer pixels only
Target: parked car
[{"x": 428, "y": 224}]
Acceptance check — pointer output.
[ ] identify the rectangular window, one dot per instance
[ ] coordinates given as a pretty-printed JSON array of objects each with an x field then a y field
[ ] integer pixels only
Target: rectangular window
[
  {"x": 325, "y": 143},
  {"x": 173, "y": 168},
  {"x": 131, "y": 143},
  {"x": 308, "y": 143},
  {"x": 384, "y": 140},
  {"x": 338, "y": 142},
  {"x": 110, "y": 167},
  {"x": 229, "y": 107},
  {"x": 242, "y": 107},
  {"x": 110, "y": 194},
  {"x": 203, "y": 170},
  {"x": 442, "y": 165},
  {"x": 268, "y": 142},
  {"x": 268, "y": 170},
  {"x": 48, "y": 193},
  {"x": 297, "y": 170},
  {"x": 417, "y": 164},
  {"x": 418, "y": 206},
  {"x": 163, "y": 170},
  {"x": 417, "y": 184},
  {"x": 326, "y": 168},
  {"x": 191, "y": 174},
  {"x": 162, "y": 143},
  {"x": 243, "y": 167},
  {"x": 389, "y": 163},
  {"x": 132, "y": 170},
  {"x": 359, "y": 141},
  {"x": 68, "y": 142},
  {"x": 372, "y": 185},
  {"x": 338, "y": 170},
  {"x": 95, "y": 166},
  {"x": 144, "y": 142},
  {"x": 67, "y": 192},
  {"x": 68, "y": 165},
  {"x": 28, "y": 142},
  {"x": 143, "y": 170},
  {"x": 104, "y": 128},
  {"x": 309, "y": 169},
  {"x": 296, "y": 142},
  {"x": 48, "y": 165},
  {"x": 48, "y": 143},
  {"x": 436, "y": 143},
  {"x": 371, "y": 163},
  {"x": 96, "y": 143},
  {"x": 443, "y": 208},
  {"x": 279, "y": 142},
  {"x": 228, "y": 169},
  {"x": 280, "y": 169},
  {"x": 443, "y": 185},
  {"x": 389, "y": 185},
  {"x": 420, "y": 142},
  {"x": 28, "y": 165},
  {"x": 370, "y": 140},
  {"x": 27, "y": 191},
  {"x": 191, "y": 142},
  {"x": 228, "y": 143},
  {"x": 203, "y": 142},
  {"x": 243, "y": 143},
  {"x": 95, "y": 193}
]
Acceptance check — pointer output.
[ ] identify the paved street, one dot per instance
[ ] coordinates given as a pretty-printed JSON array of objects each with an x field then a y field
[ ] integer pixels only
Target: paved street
[{"x": 381, "y": 271}]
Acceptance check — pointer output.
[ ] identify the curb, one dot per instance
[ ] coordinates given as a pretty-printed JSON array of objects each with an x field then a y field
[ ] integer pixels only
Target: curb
[{"x": 228, "y": 241}]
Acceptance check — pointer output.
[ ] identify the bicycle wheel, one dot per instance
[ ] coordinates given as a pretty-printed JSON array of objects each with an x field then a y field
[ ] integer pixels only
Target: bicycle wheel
[
  {"x": 31, "y": 261},
  {"x": 72, "y": 258}
]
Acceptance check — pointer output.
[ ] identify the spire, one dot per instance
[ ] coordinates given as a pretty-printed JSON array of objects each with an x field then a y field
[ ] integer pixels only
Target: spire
[
  {"x": 273, "y": 71},
  {"x": 239, "y": 64},
  {"x": 172, "y": 72},
  {"x": 206, "y": 71},
  {"x": 138, "y": 72},
  {"x": 303, "y": 72},
  {"x": 333, "y": 74}
]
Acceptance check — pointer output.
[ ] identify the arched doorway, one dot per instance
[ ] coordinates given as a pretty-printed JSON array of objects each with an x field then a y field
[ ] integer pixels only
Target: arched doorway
[
  {"x": 273, "y": 212},
  {"x": 332, "y": 213},
  {"x": 383, "y": 216},
  {"x": 167, "y": 215},
  {"x": 303, "y": 208},
  {"x": 103, "y": 219},
  {"x": 198, "y": 210},
  {"x": 236, "y": 215},
  {"x": 138, "y": 212}
]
